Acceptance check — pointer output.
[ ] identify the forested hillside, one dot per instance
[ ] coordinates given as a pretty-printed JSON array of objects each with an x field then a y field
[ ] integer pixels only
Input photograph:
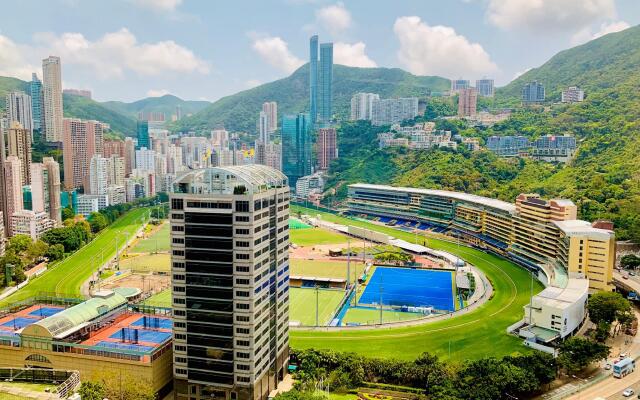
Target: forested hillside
[
  {"x": 84, "y": 108},
  {"x": 8, "y": 84},
  {"x": 603, "y": 179},
  {"x": 239, "y": 112},
  {"x": 166, "y": 104}
]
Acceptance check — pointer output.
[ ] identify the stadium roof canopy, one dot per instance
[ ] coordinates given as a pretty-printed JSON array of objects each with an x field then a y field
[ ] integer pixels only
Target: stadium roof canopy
[{"x": 226, "y": 180}]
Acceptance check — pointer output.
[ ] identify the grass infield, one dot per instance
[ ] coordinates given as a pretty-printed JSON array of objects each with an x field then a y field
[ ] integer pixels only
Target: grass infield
[
  {"x": 159, "y": 239},
  {"x": 367, "y": 316},
  {"x": 325, "y": 269},
  {"x": 302, "y": 306},
  {"x": 480, "y": 333},
  {"x": 162, "y": 299},
  {"x": 147, "y": 263},
  {"x": 315, "y": 236},
  {"x": 68, "y": 275}
]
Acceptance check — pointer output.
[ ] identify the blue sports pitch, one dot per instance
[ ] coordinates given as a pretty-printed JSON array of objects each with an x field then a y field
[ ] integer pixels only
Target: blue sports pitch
[{"x": 410, "y": 287}]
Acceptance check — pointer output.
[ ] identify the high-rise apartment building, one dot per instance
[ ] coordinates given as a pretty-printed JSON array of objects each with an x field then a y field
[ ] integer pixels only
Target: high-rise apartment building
[
  {"x": 129, "y": 155},
  {"x": 145, "y": 159},
  {"x": 82, "y": 140},
  {"x": 13, "y": 188},
  {"x": 98, "y": 175},
  {"x": 19, "y": 145},
  {"x": 18, "y": 109},
  {"x": 458, "y": 84},
  {"x": 467, "y": 102},
  {"x": 53, "y": 178},
  {"x": 296, "y": 146},
  {"x": 113, "y": 147},
  {"x": 362, "y": 106},
  {"x": 230, "y": 269},
  {"x": 39, "y": 188},
  {"x": 313, "y": 78},
  {"x": 30, "y": 223},
  {"x": 2, "y": 235},
  {"x": 52, "y": 99},
  {"x": 325, "y": 84},
  {"x": 116, "y": 167},
  {"x": 393, "y": 111},
  {"x": 327, "y": 146},
  {"x": 35, "y": 90},
  {"x": 485, "y": 87},
  {"x": 220, "y": 138},
  {"x": 270, "y": 108},
  {"x": 263, "y": 128},
  {"x": 5, "y": 221},
  {"x": 572, "y": 94},
  {"x": 142, "y": 131},
  {"x": 533, "y": 92}
]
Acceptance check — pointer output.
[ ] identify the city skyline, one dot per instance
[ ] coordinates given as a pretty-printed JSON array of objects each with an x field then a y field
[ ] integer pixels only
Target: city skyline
[{"x": 487, "y": 33}]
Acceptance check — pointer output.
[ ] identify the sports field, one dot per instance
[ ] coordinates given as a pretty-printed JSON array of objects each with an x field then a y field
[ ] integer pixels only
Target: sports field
[
  {"x": 477, "y": 334},
  {"x": 315, "y": 236},
  {"x": 369, "y": 316},
  {"x": 162, "y": 299},
  {"x": 324, "y": 268},
  {"x": 69, "y": 274},
  {"x": 410, "y": 287},
  {"x": 159, "y": 241},
  {"x": 147, "y": 263},
  {"x": 302, "y": 305}
]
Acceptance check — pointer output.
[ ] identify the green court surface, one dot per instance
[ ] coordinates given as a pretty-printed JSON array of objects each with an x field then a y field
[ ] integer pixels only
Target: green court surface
[
  {"x": 481, "y": 333},
  {"x": 316, "y": 236},
  {"x": 366, "y": 316},
  {"x": 159, "y": 241},
  {"x": 162, "y": 299},
  {"x": 68, "y": 275},
  {"x": 295, "y": 223},
  {"x": 324, "y": 269},
  {"x": 302, "y": 305},
  {"x": 147, "y": 262}
]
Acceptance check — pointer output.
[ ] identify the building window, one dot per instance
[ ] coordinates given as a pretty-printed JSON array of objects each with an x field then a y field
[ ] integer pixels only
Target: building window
[
  {"x": 242, "y": 231},
  {"x": 242, "y": 256},
  {"x": 242, "y": 243},
  {"x": 241, "y": 354},
  {"x": 180, "y": 336},
  {"x": 242, "y": 306},
  {"x": 177, "y": 204},
  {"x": 179, "y": 253},
  {"x": 177, "y": 228},
  {"x": 242, "y": 293},
  {"x": 242, "y": 218},
  {"x": 242, "y": 206},
  {"x": 178, "y": 241}
]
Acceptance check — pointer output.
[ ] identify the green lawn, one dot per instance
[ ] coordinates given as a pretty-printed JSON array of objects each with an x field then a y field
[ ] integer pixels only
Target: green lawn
[
  {"x": 312, "y": 236},
  {"x": 35, "y": 387},
  {"x": 302, "y": 305},
  {"x": 159, "y": 241},
  {"x": 474, "y": 335},
  {"x": 147, "y": 262},
  {"x": 68, "y": 275},
  {"x": 366, "y": 316},
  {"x": 162, "y": 299},
  {"x": 324, "y": 269},
  {"x": 7, "y": 396}
]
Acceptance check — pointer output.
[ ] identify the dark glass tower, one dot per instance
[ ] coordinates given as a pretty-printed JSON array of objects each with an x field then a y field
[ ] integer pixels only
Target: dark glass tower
[
  {"x": 313, "y": 78},
  {"x": 296, "y": 146}
]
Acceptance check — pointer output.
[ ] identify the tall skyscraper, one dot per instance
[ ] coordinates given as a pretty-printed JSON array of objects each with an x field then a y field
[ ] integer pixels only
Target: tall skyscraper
[
  {"x": 145, "y": 159},
  {"x": 142, "y": 130},
  {"x": 296, "y": 146},
  {"x": 313, "y": 78},
  {"x": 533, "y": 92},
  {"x": 113, "y": 146},
  {"x": 327, "y": 146},
  {"x": 6, "y": 218},
  {"x": 129, "y": 156},
  {"x": 362, "y": 106},
  {"x": 39, "y": 187},
  {"x": 82, "y": 140},
  {"x": 13, "y": 188},
  {"x": 35, "y": 90},
  {"x": 116, "y": 168},
  {"x": 457, "y": 84},
  {"x": 18, "y": 109},
  {"x": 53, "y": 171},
  {"x": 485, "y": 87},
  {"x": 270, "y": 108},
  {"x": 230, "y": 234},
  {"x": 98, "y": 175},
  {"x": 52, "y": 99},
  {"x": 263, "y": 128},
  {"x": 325, "y": 84},
  {"x": 20, "y": 146},
  {"x": 467, "y": 102}
]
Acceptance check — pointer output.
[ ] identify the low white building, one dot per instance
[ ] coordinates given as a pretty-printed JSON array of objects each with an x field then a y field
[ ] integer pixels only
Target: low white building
[
  {"x": 88, "y": 203},
  {"x": 309, "y": 184},
  {"x": 31, "y": 223},
  {"x": 116, "y": 194}
]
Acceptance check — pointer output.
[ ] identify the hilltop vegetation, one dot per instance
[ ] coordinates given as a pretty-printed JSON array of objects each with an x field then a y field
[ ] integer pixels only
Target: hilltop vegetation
[
  {"x": 84, "y": 108},
  {"x": 166, "y": 104},
  {"x": 239, "y": 112},
  {"x": 8, "y": 84},
  {"x": 603, "y": 179}
]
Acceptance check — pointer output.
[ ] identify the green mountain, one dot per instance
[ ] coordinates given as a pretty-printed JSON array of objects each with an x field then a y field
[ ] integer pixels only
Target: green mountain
[
  {"x": 594, "y": 66},
  {"x": 8, "y": 84},
  {"x": 84, "y": 108},
  {"x": 603, "y": 179},
  {"x": 166, "y": 104},
  {"x": 239, "y": 112}
]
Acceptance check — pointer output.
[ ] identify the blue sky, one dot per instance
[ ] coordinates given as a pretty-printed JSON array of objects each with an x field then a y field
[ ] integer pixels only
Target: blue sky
[{"x": 197, "y": 49}]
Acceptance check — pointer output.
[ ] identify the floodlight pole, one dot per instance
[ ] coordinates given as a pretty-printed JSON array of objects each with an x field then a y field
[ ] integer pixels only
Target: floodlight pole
[
  {"x": 317, "y": 299},
  {"x": 348, "y": 262}
]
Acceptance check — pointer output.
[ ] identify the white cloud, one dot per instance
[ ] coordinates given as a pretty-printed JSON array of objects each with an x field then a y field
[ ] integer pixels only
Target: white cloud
[
  {"x": 542, "y": 16},
  {"x": 439, "y": 50},
  {"x": 275, "y": 52},
  {"x": 334, "y": 18},
  {"x": 117, "y": 52},
  {"x": 586, "y": 34},
  {"x": 519, "y": 73},
  {"x": 13, "y": 61},
  {"x": 352, "y": 55},
  {"x": 157, "y": 92},
  {"x": 158, "y": 5},
  {"x": 251, "y": 83}
]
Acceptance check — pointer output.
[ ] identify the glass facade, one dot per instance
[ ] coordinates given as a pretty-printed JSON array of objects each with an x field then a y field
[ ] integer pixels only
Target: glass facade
[
  {"x": 35, "y": 89},
  {"x": 313, "y": 77},
  {"x": 143, "y": 135},
  {"x": 296, "y": 147},
  {"x": 325, "y": 82}
]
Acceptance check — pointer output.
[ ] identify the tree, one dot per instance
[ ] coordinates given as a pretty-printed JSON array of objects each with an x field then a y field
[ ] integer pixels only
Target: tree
[
  {"x": 55, "y": 252},
  {"x": 19, "y": 243},
  {"x": 97, "y": 221},
  {"x": 576, "y": 353},
  {"x": 36, "y": 251},
  {"x": 67, "y": 213},
  {"x": 630, "y": 261},
  {"x": 608, "y": 307},
  {"x": 92, "y": 390}
]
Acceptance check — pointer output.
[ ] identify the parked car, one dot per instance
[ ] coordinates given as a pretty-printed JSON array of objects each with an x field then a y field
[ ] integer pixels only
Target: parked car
[
  {"x": 607, "y": 366},
  {"x": 628, "y": 392},
  {"x": 632, "y": 273}
]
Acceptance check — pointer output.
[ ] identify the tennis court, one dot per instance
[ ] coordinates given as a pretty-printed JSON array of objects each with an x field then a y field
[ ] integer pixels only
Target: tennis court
[
  {"x": 19, "y": 322},
  {"x": 44, "y": 312},
  {"x": 410, "y": 287},
  {"x": 143, "y": 335},
  {"x": 154, "y": 322},
  {"x": 302, "y": 305},
  {"x": 124, "y": 346}
]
